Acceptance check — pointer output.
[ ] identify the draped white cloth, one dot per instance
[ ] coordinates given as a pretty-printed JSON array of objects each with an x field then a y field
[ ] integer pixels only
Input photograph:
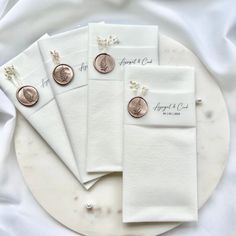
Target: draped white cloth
[{"x": 208, "y": 28}]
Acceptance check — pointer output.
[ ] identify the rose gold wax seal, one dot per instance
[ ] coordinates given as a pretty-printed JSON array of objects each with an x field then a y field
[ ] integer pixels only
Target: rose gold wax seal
[
  {"x": 63, "y": 74},
  {"x": 137, "y": 107},
  {"x": 104, "y": 63},
  {"x": 27, "y": 95}
]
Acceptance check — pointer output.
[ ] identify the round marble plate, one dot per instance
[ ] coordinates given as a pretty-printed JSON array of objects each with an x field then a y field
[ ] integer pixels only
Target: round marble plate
[{"x": 58, "y": 192}]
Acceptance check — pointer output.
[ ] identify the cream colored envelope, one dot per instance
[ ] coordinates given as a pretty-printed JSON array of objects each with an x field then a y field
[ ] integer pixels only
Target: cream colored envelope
[
  {"x": 131, "y": 44},
  {"x": 160, "y": 164},
  {"x": 72, "y": 47},
  {"x": 44, "y": 116}
]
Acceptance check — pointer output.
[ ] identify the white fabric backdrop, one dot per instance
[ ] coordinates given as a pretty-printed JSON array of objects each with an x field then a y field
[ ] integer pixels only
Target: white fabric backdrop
[{"x": 206, "y": 27}]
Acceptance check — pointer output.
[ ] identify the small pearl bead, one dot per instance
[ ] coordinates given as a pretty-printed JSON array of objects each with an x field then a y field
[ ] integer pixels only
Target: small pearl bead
[
  {"x": 89, "y": 206},
  {"x": 198, "y": 101}
]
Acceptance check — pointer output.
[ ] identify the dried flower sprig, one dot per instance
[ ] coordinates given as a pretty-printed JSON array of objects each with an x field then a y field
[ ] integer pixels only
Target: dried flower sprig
[
  {"x": 11, "y": 74},
  {"x": 55, "y": 57},
  {"x": 104, "y": 43},
  {"x": 136, "y": 87}
]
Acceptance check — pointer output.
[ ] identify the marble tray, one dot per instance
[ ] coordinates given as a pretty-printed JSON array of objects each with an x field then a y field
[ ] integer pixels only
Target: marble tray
[{"x": 58, "y": 192}]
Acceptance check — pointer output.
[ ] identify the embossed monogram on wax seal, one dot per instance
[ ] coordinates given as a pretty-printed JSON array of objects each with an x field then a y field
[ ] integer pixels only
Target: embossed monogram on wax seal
[
  {"x": 104, "y": 63},
  {"x": 27, "y": 95},
  {"x": 137, "y": 107},
  {"x": 63, "y": 74}
]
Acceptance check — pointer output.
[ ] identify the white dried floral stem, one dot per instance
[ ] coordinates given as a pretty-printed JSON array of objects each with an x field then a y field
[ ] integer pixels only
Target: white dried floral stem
[
  {"x": 137, "y": 87},
  {"x": 11, "y": 75},
  {"x": 144, "y": 90},
  {"x": 107, "y": 42},
  {"x": 55, "y": 57}
]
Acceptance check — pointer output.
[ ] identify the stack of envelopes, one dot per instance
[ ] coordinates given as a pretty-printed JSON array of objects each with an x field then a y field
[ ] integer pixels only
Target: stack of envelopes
[{"x": 98, "y": 97}]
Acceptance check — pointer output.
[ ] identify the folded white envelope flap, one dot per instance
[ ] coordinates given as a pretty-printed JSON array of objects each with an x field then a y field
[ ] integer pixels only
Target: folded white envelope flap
[
  {"x": 159, "y": 165},
  {"x": 72, "y": 47},
  {"x": 130, "y": 45},
  {"x": 44, "y": 116}
]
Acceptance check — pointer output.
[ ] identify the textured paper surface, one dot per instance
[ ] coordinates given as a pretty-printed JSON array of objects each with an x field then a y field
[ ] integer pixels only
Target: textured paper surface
[
  {"x": 72, "y": 47},
  {"x": 44, "y": 116},
  {"x": 160, "y": 171},
  {"x": 105, "y": 91}
]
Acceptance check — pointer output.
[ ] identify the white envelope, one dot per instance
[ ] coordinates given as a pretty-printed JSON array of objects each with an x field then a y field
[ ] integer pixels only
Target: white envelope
[
  {"x": 137, "y": 45},
  {"x": 44, "y": 116},
  {"x": 160, "y": 164},
  {"x": 72, "y": 47}
]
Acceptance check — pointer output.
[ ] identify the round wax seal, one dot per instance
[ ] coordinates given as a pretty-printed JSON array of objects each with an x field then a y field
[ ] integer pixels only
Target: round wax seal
[
  {"x": 63, "y": 74},
  {"x": 104, "y": 63},
  {"x": 137, "y": 107},
  {"x": 27, "y": 95}
]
